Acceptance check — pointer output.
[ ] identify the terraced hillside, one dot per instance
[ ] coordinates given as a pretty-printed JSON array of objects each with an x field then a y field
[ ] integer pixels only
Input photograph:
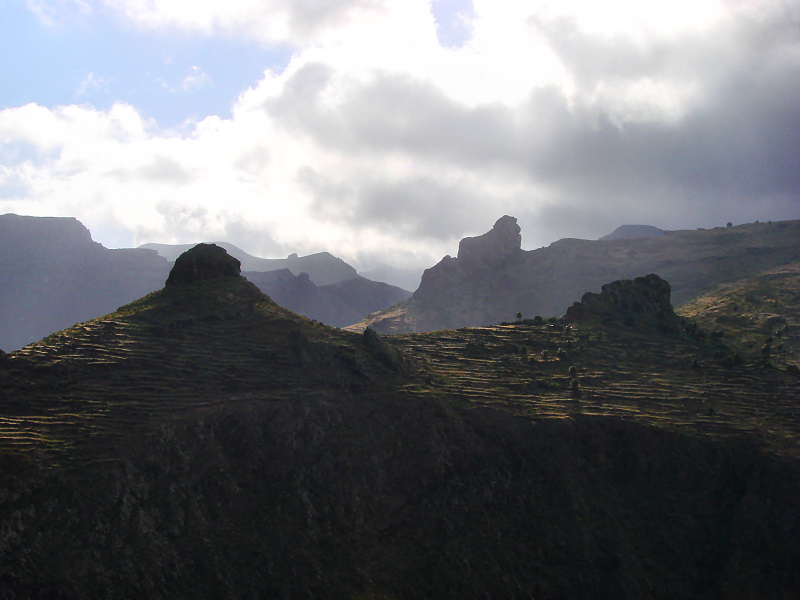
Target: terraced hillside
[
  {"x": 672, "y": 381},
  {"x": 93, "y": 386},
  {"x": 758, "y": 316}
]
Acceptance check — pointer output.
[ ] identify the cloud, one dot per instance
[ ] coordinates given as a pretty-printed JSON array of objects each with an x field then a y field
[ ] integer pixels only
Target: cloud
[
  {"x": 91, "y": 83},
  {"x": 196, "y": 79},
  {"x": 378, "y": 138}
]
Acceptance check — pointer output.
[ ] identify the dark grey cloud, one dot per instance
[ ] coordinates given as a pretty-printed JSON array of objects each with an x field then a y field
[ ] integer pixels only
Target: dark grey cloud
[
  {"x": 307, "y": 18},
  {"x": 730, "y": 152},
  {"x": 394, "y": 112}
]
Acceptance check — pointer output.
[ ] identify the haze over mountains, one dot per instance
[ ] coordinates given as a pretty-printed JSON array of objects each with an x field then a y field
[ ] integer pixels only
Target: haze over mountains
[
  {"x": 53, "y": 275},
  {"x": 65, "y": 277}
]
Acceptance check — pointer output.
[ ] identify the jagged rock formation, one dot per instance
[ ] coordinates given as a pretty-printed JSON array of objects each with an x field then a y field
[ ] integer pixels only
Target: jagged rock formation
[
  {"x": 499, "y": 281},
  {"x": 204, "y": 261},
  {"x": 492, "y": 249},
  {"x": 644, "y": 298}
]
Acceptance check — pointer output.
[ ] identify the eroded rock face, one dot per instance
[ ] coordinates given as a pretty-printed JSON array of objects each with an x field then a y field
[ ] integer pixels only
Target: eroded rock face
[
  {"x": 626, "y": 298},
  {"x": 493, "y": 247},
  {"x": 204, "y": 261}
]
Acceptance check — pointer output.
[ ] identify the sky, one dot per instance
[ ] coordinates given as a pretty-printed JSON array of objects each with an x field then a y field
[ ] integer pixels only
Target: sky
[{"x": 384, "y": 131}]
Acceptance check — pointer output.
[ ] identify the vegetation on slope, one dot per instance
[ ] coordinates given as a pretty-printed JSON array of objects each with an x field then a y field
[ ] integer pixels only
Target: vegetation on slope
[{"x": 758, "y": 316}]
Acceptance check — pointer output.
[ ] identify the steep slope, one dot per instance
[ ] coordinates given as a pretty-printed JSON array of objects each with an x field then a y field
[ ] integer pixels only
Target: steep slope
[
  {"x": 758, "y": 316},
  {"x": 202, "y": 442},
  {"x": 496, "y": 279},
  {"x": 54, "y": 275}
]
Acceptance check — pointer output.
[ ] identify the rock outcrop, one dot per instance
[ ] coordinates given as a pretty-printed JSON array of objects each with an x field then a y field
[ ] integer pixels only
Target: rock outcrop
[
  {"x": 494, "y": 247},
  {"x": 492, "y": 280},
  {"x": 643, "y": 299},
  {"x": 204, "y": 261}
]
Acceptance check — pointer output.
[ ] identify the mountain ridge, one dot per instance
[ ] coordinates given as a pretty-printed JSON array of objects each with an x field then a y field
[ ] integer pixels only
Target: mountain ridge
[
  {"x": 55, "y": 275},
  {"x": 457, "y": 293}
]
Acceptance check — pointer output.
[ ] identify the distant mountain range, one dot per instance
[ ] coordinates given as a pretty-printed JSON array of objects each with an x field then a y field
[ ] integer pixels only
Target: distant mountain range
[
  {"x": 492, "y": 278},
  {"x": 322, "y": 268},
  {"x": 54, "y": 275}
]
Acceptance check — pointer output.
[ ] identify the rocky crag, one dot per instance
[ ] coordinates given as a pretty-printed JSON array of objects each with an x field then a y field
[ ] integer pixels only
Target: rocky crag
[{"x": 492, "y": 279}]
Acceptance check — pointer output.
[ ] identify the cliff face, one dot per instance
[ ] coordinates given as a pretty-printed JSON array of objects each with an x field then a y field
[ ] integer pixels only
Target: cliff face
[
  {"x": 492, "y": 280},
  {"x": 54, "y": 275},
  {"x": 474, "y": 286}
]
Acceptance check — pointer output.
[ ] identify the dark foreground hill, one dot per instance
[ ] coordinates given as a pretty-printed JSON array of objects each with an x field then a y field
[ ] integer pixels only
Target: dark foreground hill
[
  {"x": 492, "y": 278},
  {"x": 204, "y": 442}
]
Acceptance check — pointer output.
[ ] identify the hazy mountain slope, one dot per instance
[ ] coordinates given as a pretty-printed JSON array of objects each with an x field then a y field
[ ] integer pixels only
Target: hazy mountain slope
[
  {"x": 498, "y": 279},
  {"x": 54, "y": 275},
  {"x": 202, "y": 442},
  {"x": 757, "y": 316},
  {"x": 629, "y": 232},
  {"x": 322, "y": 268},
  {"x": 336, "y": 304}
]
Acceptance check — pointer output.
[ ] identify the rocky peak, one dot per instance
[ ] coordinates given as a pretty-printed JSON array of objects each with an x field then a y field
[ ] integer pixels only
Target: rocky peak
[
  {"x": 626, "y": 298},
  {"x": 204, "y": 261},
  {"x": 493, "y": 247}
]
